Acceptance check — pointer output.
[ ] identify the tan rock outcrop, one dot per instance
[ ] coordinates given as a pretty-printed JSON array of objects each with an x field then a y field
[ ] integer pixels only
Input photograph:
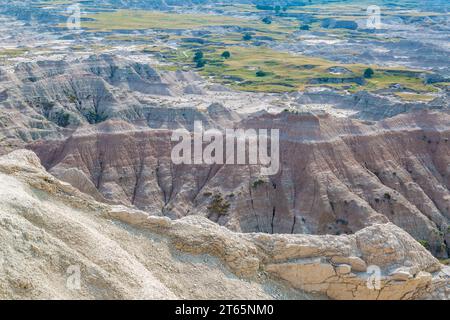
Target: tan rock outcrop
[{"x": 47, "y": 225}]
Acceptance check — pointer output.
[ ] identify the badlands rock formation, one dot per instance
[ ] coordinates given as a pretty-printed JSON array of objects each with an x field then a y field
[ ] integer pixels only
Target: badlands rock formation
[
  {"x": 337, "y": 175},
  {"x": 48, "y": 226},
  {"x": 49, "y": 99}
]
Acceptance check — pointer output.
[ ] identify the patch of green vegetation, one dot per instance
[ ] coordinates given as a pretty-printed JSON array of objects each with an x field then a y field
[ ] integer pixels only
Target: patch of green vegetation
[
  {"x": 267, "y": 20},
  {"x": 72, "y": 98},
  {"x": 260, "y": 73},
  {"x": 257, "y": 183},
  {"x": 92, "y": 116},
  {"x": 232, "y": 60},
  {"x": 218, "y": 205},
  {"x": 62, "y": 119},
  {"x": 284, "y": 72},
  {"x": 425, "y": 243},
  {"x": 407, "y": 96},
  {"x": 141, "y": 19},
  {"x": 368, "y": 73},
  {"x": 12, "y": 53},
  {"x": 381, "y": 80},
  {"x": 77, "y": 48},
  {"x": 247, "y": 37},
  {"x": 226, "y": 54}
]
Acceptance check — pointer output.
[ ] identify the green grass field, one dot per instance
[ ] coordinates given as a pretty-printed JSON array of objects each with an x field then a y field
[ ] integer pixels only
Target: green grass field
[
  {"x": 139, "y": 20},
  {"x": 283, "y": 71},
  {"x": 12, "y": 53},
  {"x": 286, "y": 72}
]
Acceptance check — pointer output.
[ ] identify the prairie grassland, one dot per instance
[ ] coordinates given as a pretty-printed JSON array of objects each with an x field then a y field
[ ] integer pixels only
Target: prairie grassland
[
  {"x": 414, "y": 96},
  {"x": 284, "y": 71},
  {"x": 279, "y": 71},
  {"x": 139, "y": 20},
  {"x": 12, "y": 53}
]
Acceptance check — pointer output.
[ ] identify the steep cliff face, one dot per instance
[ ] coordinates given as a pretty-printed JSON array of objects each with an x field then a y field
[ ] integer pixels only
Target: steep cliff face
[
  {"x": 51, "y": 233},
  {"x": 336, "y": 176}
]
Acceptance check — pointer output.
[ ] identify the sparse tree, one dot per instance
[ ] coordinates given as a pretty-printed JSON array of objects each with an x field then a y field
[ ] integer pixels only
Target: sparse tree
[
  {"x": 368, "y": 73},
  {"x": 304, "y": 27},
  {"x": 260, "y": 73},
  {"x": 198, "y": 59},
  {"x": 226, "y": 54},
  {"x": 198, "y": 55},
  {"x": 267, "y": 20},
  {"x": 200, "y": 63},
  {"x": 247, "y": 37}
]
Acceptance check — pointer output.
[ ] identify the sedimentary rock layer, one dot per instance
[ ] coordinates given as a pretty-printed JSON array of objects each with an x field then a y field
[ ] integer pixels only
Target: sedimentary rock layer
[
  {"x": 336, "y": 176},
  {"x": 48, "y": 226}
]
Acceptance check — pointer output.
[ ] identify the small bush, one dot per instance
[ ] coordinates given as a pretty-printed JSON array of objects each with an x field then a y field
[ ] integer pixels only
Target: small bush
[
  {"x": 62, "y": 119},
  {"x": 261, "y": 73},
  {"x": 200, "y": 64},
  {"x": 92, "y": 116},
  {"x": 267, "y": 20},
  {"x": 247, "y": 37},
  {"x": 72, "y": 98},
  {"x": 257, "y": 183},
  {"x": 218, "y": 205},
  {"x": 368, "y": 73},
  {"x": 226, "y": 54},
  {"x": 198, "y": 56},
  {"x": 425, "y": 243}
]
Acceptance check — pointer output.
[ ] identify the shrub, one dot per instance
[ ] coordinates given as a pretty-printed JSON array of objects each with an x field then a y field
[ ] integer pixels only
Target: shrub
[
  {"x": 218, "y": 205},
  {"x": 425, "y": 243},
  {"x": 260, "y": 73},
  {"x": 72, "y": 98},
  {"x": 62, "y": 119},
  {"x": 247, "y": 37},
  {"x": 257, "y": 183},
  {"x": 198, "y": 56},
  {"x": 200, "y": 64},
  {"x": 226, "y": 54},
  {"x": 92, "y": 116},
  {"x": 267, "y": 20},
  {"x": 368, "y": 73}
]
